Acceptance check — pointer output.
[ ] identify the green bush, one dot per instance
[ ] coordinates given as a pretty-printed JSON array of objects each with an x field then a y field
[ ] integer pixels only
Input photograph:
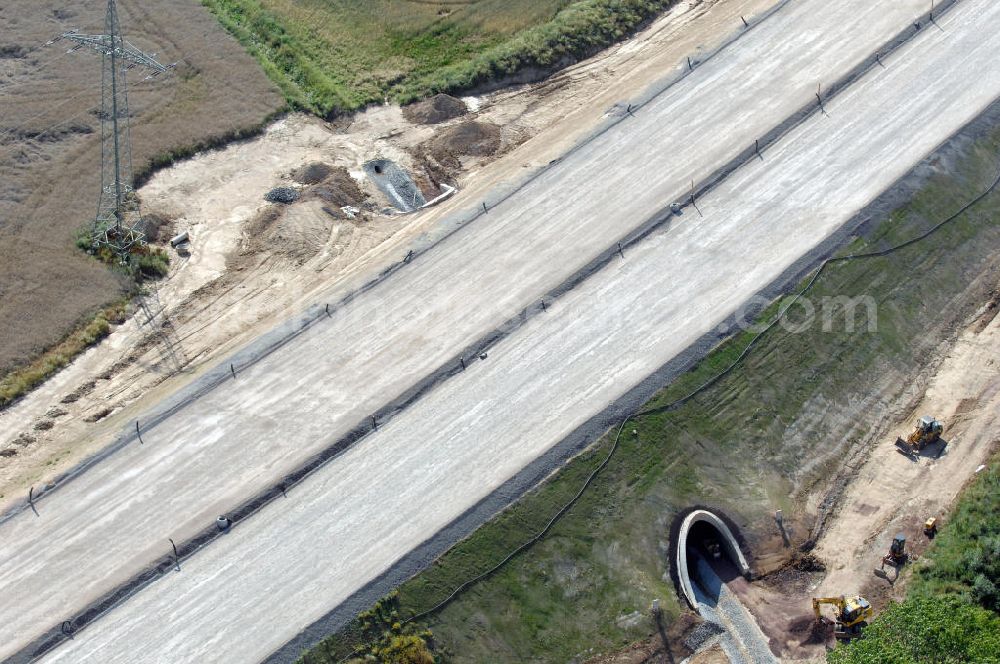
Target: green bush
[
  {"x": 965, "y": 559},
  {"x": 153, "y": 264},
  {"x": 22, "y": 380},
  {"x": 943, "y": 630}
]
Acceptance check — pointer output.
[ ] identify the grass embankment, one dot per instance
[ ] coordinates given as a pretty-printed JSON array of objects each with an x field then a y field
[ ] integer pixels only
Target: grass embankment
[
  {"x": 796, "y": 399},
  {"x": 335, "y": 56},
  {"x": 952, "y": 611},
  {"x": 22, "y": 380}
]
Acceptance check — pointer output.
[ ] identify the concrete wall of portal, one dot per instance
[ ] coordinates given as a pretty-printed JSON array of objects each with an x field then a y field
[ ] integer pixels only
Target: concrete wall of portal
[{"x": 680, "y": 549}]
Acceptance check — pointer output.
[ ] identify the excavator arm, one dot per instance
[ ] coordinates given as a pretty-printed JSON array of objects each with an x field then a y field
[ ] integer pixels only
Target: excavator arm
[{"x": 837, "y": 602}]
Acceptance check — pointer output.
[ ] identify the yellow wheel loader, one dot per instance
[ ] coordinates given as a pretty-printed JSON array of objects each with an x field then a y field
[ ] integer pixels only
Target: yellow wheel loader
[
  {"x": 853, "y": 614},
  {"x": 927, "y": 432}
]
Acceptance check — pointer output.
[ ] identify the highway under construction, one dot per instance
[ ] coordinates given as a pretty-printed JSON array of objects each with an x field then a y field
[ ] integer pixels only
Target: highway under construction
[{"x": 357, "y": 442}]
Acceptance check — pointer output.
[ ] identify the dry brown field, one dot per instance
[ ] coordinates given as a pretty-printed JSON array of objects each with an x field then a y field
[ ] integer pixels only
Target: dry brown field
[{"x": 50, "y": 144}]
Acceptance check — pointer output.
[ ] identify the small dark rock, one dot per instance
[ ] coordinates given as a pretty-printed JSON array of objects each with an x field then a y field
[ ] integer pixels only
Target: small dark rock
[
  {"x": 281, "y": 195},
  {"x": 24, "y": 439}
]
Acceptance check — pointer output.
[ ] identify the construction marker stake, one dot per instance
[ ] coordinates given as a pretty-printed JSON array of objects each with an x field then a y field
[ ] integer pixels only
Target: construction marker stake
[
  {"x": 137, "y": 434},
  {"x": 463, "y": 363},
  {"x": 31, "y": 495},
  {"x": 484, "y": 208},
  {"x": 690, "y": 66},
  {"x": 620, "y": 252},
  {"x": 328, "y": 311},
  {"x": 176, "y": 555},
  {"x": 233, "y": 370},
  {"x": 745, "y": 24},
  {"x": 374, "y": 424}
]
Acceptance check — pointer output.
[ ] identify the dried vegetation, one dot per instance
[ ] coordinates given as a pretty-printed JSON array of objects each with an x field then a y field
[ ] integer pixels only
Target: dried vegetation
[{"x": 50, "y": 148}]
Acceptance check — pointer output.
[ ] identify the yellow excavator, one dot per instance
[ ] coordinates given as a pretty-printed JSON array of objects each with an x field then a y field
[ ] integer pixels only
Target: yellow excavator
[
  {"x": 853, "y": 614},
  {"x": 927, "y": 432}
]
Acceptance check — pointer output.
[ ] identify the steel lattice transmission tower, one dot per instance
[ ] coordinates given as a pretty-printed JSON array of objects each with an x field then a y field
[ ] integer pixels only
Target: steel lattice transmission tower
[{"x": 116, "y": 225}]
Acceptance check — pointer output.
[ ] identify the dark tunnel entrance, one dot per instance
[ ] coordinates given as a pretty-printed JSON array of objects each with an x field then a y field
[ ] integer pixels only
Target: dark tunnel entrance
[
  {"x": 708, "y": 554},
  {"x": 708, "y": 560}
]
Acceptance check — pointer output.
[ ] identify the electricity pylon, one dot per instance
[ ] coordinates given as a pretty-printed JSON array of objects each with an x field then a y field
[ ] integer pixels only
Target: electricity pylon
[{"x": 116, "y": 225}]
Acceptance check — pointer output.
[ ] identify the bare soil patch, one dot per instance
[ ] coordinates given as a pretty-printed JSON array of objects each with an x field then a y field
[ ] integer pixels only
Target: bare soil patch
[{"x": 474, "y": 138}]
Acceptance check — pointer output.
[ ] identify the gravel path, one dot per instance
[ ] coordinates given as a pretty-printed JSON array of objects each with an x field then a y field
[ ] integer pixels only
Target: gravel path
[{"x": 743, "y": 641}]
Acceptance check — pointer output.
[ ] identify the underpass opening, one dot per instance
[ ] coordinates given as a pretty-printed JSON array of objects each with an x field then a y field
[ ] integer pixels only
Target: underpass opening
[
  {"x": 703, "y": 539},
  {"x": 397, "y": 185}
]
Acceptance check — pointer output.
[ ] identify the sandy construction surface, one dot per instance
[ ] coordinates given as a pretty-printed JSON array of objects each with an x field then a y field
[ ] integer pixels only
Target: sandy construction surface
[
  {"x": 893, "y": 493},
  {"x": 424, "y": 467}
]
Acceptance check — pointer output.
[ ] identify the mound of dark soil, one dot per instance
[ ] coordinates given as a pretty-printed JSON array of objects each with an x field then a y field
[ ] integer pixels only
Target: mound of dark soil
[
  {"x": 434, "y": 110},
  {"x": 477, "y": 139},
  {"x": 810, "y": 630},
  {"x": 313, "y": 173},
  {"x": 156, "y": 227},
  {"x": 338, "y": 188}
]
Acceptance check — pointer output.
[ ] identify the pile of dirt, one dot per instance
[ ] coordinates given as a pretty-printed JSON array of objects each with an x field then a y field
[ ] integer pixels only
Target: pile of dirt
[
  {"x": 259, "y": 224},
  {"x": 338, "y": 189},
  {"x": 473, "y": 138},
  {"x": 807, "y": 562},
  {"x": 313, "y": 173},
  {"x": 156, "y": 227},
  {"x": 796, "y": 575},
  {"x": 438, "y": 108}
]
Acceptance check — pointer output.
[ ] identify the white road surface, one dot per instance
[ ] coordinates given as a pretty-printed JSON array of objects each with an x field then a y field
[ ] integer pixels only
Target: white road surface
[
  {"x": 108, "y": 524},
  {"x": 251, "y": 591}
]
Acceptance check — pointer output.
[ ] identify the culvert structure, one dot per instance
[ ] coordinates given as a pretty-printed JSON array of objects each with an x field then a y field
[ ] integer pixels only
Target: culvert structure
[
  {"x": 396, "y": 184},
  {"x": 727, "y": 540}
]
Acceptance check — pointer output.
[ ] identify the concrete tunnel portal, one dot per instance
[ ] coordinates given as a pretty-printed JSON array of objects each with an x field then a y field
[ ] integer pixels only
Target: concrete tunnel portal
[{"x": 698, "y": 532}]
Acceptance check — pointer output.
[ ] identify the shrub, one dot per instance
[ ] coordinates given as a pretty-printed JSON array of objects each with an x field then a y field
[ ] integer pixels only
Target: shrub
[
  {"x": 943, "y": 630},
  {"x": 154, "y": 263}
]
